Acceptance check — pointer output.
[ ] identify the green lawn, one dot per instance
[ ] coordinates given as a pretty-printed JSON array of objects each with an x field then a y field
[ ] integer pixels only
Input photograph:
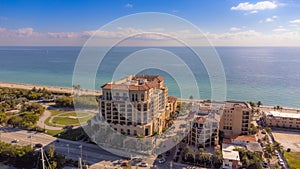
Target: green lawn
[
  {"x": 293, "y": 159},
  {"x": 54, "y": 132},
  {"x": 63, "y": 119},
  {"x": 70, "y": 121},
  {"x": 79, "y": 114}
]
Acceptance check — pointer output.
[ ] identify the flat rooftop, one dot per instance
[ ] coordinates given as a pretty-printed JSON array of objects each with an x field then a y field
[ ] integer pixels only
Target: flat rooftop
[
  {"x": 135, "y": 82},
  {"x": 231, "y": 155},
  {"x": 231, "y": 104},
  {"x": 282, "y": 114}
]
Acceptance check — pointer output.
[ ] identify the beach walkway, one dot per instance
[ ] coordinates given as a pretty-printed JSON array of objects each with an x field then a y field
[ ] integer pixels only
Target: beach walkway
[{"x": 41, "y": 121}]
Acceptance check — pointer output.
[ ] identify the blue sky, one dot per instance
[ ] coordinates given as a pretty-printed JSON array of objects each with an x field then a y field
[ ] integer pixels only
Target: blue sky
[{"x": 32, "y": 22}]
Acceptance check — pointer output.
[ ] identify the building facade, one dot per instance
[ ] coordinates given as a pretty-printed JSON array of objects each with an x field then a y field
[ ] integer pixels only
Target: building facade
[
  {"x": 136, "y": 105},
  {"x": 281, "y": 119},
  {"x": 204, "y": 132},
  {"x": 236, "y": 119}
]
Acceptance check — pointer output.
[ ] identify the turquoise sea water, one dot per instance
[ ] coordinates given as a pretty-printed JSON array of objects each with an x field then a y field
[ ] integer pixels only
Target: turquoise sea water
[{"x": 269, "y": 74}]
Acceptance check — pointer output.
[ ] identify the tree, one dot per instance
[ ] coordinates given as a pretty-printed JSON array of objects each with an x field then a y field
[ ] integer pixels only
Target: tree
[
  {"x": 259, "y": 103},
  {"x": 253, "y": 129},
  {"x": 64, "y": 101},
  {"x": 217, "y": 158},
  {"x": 3, "y": 118},
  {"x": 268, "y": 130},
  {"x": 15, "y": 121},
  {"x": 268, "y": 150}
]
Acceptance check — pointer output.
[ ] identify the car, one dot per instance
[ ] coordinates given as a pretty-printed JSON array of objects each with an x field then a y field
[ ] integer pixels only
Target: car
[
  {"x": 281, "y": 162},
  {"x": 265, "y": 165},
  {"x": 124, "y": 163},
  {"x": 276, "y": 152},
  {"x": 168, "y": 153},
  {"x": 38, "y": 145},
  {"x": 137, "y": 160},
  {"x": 14, "y": 141},
  {"x": 162, "y": 160},
  {"x": 143, "y": 164}
]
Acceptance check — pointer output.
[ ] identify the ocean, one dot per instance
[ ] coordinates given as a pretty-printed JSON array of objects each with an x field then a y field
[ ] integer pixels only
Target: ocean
[{"x": 268, "y": 74}]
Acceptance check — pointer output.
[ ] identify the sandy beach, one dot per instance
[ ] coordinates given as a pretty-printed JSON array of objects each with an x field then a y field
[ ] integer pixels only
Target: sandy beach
[
  {"x": 50, "y": 88},
  {"x": 284, "y": 109}
]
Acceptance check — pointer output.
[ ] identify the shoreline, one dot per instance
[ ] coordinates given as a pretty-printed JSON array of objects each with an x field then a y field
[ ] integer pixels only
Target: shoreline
[
  {"x": 98, "y": 92},
  {"x": 61, "y": 89}
]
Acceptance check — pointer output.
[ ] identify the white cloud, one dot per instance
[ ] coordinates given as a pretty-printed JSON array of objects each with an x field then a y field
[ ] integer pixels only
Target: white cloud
[
  {"x": 254, "y": 8},
  {"x": 280, "y": 29},
  {"x": 233, "y": 29},
  {"x": 297, "y": 21},
  {"x": 128, "y": 6},
  {"x": 236, "y": 36},
  {"x": 269, "y": 20}
]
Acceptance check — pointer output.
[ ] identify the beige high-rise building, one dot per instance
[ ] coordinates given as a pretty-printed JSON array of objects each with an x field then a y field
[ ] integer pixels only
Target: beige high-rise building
[
  {"x": 136, "y": 105},
  {"x": 236, "y": 119}
]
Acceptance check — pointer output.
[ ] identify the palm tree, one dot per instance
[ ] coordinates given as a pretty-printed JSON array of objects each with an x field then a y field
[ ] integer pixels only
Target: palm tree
[
  {"x": 217, "y": 159},
  {"x": 268, "y": 150},
  {"x": 259, "y": 103},
  {"x": 277, "y": 146}
]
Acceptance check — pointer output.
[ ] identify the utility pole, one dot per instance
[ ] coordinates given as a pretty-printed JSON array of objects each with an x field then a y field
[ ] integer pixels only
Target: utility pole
[
  {"x": 80, "y": 150},
  {"x": 43, "y": 160},
  {"x": 80, "y": 158},
  {"x": 79, "y": 163},
  {"x": 68, "y": 151}
]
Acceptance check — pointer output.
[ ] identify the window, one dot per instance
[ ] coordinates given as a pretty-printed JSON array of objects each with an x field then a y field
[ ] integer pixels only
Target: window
[
  {"x": 146, "y": 132},
  {"x": 128, "y": 131},
  {"x": 142, "y": 97}
]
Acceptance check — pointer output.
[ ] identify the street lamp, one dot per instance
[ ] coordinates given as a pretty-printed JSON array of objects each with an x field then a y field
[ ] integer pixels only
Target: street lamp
[
  {"x": 68, "y": 151},
  {"x": 80, "y": 150}
]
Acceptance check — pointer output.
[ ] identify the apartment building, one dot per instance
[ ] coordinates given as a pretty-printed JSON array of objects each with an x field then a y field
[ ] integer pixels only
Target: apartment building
[
  {"x": 281, "y": 119},
  {"x": 136, "y": 105},
  {"x": 204, "y": 132},
  {"x": 236, "y": 119}
]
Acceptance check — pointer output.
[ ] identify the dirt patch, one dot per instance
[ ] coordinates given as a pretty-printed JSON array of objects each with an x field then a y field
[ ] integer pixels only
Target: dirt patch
[{"x": 289, "y": 139}]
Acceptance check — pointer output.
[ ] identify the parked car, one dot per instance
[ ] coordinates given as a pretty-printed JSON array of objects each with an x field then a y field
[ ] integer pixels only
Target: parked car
[
  {"x": 276, "y": 152},
  {"x": 265, "y": 165},
  {"x": 168, "y": 153},
  {"x": 14, "y": 141},
  {"x": 281, "y": 162},
  {"x": 143, "y": 164},
  {"x": 263, "y": 132},
  {"x": 162, "y": 160},
  {"x": 38, "y": 145},
  {"x": 124, "y": 163}
]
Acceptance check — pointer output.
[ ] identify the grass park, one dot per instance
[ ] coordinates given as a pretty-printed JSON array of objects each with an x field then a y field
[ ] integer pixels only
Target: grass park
[
  {"x": 293, "y": 159},
  {"x": 60, "y": 118}
]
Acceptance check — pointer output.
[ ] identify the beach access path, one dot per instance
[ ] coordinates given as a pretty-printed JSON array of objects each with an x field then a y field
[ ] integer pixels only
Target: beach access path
[{"x": 41, "y": 121}]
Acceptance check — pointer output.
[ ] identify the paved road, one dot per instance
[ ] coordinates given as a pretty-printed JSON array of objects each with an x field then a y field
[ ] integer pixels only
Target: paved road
[{"x": 91, "y": 153}]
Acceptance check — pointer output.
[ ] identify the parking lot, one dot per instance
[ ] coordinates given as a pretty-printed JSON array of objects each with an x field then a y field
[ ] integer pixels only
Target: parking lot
[{"x": 289, "y": 139}]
